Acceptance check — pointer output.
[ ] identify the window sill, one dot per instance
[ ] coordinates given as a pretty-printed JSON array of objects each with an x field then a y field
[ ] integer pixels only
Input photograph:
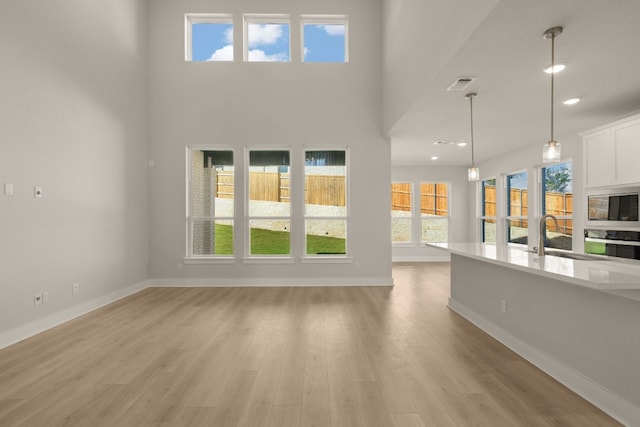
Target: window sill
[
  {"x": 209, "y": 260},
  {"x": 267, "y": 260},
  {"x": 322, "y": 259}
]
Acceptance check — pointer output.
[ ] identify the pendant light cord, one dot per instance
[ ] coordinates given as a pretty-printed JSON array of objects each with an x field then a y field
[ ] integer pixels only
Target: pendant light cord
[
  {"x": 473, "y": 163},
  {"x": 553, "y": 37}
]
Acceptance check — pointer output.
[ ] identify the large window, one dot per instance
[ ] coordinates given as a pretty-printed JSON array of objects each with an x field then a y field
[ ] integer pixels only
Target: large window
[
  {"x": 324, "y": 38},
  {"x": 269, "y": 203},
  {"x": 401, "y": 212},
  {"x": 266, "y": 38},
  {"x": 488, "y": 214},
  {"x": 325, "y": 175},
  {"x": 210, "y": 211},
  {"x": 434, "y": 212},
  {"x": 429, "y": 216},
  {"x": 517, "y": 208},
  {"x": 557, "y": 200},
  {"x": 208, "y": 37}
]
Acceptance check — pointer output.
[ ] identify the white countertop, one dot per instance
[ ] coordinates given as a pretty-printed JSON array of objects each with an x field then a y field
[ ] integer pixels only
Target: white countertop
[{"x": 604, "y": 275}]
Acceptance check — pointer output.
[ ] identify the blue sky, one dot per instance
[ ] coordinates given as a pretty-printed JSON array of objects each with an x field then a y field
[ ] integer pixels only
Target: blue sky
[
  {"x": 324, "y": 43},
  {"x": 211, "y": 42},
  {"x": 268, "y": 42}
]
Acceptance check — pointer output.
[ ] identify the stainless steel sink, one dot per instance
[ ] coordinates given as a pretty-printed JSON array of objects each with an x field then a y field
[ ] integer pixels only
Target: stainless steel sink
[
  {"x": 571, "y": 255},
  {"x": 576, "y": 256}
]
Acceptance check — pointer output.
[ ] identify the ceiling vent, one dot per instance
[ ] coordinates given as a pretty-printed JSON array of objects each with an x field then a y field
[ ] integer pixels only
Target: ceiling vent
[{"x": 461, "y": 83}]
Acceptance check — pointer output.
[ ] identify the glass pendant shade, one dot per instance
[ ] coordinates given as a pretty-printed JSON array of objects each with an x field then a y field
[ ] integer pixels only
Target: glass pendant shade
[
  {"x": 551, "y": 152},
  {"x": 474, "y": 173}
]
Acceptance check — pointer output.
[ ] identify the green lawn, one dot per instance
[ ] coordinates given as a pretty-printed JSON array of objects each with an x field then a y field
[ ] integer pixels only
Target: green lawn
[{"x": 266, "y": 242}]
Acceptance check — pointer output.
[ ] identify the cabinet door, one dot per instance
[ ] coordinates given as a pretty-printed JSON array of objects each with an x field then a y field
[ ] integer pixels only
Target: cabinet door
[
  {"x": 599, "y": 159},
  {"x": 626, "y": 138}
]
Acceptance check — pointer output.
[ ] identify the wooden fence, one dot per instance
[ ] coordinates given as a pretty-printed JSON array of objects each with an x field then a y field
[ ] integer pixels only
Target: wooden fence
[
  {"x": 327, "y": 190},
  {"x": 558, "y": 204},
  {"x": 433, "y": 198}
]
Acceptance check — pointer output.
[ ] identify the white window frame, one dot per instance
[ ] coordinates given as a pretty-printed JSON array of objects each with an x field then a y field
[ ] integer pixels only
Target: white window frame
[
  {"x": 411, "y": 218},
  {"x": 480, "y": 206},
  {"x": 268, "y": 258},
  {"x": 507, "y": 205},
  {"x": 346, "y": 218},
  {"x": 262, "y": 19},
  {"x": 190, "y": 257},
  {"x": 202, "y": 18},
  {"x": 327, "y": 20},
  {"x": 541, "y": 205},
  {"x": 418, "y": 209}
]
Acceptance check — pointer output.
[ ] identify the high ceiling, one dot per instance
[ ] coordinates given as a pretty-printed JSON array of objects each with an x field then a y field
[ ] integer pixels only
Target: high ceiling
[{"x": 506, "y": 52}]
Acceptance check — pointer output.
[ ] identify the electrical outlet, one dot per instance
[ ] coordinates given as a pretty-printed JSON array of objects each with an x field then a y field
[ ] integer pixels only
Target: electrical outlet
[
  {"x": 37, "y": 299},
  {"x": 503, "y": 305},
  {"x": 45, "y": 297},
  {"x": 8, "y": 189},
  {"x": 75, "y": 289}
]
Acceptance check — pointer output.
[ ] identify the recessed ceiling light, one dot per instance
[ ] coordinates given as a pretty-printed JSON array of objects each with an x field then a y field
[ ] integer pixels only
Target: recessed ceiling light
[
  {"x": 571, "y": 101},
  {"x": 434, "y": 157},
  {"x": 555, "y": 69}
]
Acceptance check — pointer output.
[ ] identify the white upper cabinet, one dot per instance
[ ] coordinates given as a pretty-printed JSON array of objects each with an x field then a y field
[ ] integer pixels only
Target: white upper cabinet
[{"x": 612, "y": 154}]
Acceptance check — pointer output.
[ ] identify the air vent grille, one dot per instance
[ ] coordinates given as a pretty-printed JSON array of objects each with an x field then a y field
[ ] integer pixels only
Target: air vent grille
[{"x": 461, "y": 83}]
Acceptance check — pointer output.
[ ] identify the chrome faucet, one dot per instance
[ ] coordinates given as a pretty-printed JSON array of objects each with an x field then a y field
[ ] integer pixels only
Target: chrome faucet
[{"x": 543, "y": 232}]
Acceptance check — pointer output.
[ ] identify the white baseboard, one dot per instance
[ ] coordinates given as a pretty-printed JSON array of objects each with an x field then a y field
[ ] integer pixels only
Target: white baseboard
[
  {"x": 421, "y": 258},
  {"x": 617, "y": 407},
  {"x": 270, "y": 282},
  {"x": 30, "y": 329}
]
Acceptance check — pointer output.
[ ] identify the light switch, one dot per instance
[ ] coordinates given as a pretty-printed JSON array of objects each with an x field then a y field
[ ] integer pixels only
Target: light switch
[{"x": 8, "y": 189}]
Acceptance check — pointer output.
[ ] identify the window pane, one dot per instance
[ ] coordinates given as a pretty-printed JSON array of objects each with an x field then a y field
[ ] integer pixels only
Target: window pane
[
  {"x": 401, "y": 199},
  {"x": 268, "y": 42},
  {"x": 269, "y": 184},
  {"x": 489, "y": 197},
  {"x": 324, "y": 42},
  {"x": 435, "y": 230},
  {"x": 517, "y": 196},
  {"x": 326, "y": 237},
  {"x": 401, "y": 229},
  {"x": 517, "y": 231},
  {"x": 434, "y": 199},
  {"x": 325, "y": 183},
  {"x": 270, "y": 237},
  {"x": 489, "y": 230},
  {"x": 212, "y": 237},
  {"x": 557, "y": 193},
  {"x": 211, "y": 41},
  {"x": 212, "y": 180}
]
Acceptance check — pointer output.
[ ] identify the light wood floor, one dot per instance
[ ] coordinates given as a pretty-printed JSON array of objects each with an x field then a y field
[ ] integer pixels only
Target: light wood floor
[{"x": 361, "y": 356}]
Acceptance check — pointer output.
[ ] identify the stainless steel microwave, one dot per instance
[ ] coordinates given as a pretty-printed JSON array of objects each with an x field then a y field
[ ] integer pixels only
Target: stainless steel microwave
[{"x": 613, "y": 207}]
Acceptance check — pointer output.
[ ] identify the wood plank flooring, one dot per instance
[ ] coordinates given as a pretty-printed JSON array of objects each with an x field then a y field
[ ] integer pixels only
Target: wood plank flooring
[{"x": 328, "y": 357}]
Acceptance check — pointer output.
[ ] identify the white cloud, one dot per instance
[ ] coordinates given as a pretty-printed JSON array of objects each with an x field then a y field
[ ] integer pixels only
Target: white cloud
[
  {"x": 334, "y": 29},
  {"x": 261, "y": 34},
  {"x": 257, "y": 55},
  {"x": 306, "y": 51},
  {"x": 223, "y": 54},
  {"x": 228, "y": 35}
]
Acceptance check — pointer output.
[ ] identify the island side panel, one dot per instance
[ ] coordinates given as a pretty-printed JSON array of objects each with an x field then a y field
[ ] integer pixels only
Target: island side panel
[{"x": 594, "y": 333}]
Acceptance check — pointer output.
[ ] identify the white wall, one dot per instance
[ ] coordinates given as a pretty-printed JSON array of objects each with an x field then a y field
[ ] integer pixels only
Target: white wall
[
  {"x": 291, "y": 105},
  {"x": 456, "y": 176},
  {"x": 72, "y": 120}
]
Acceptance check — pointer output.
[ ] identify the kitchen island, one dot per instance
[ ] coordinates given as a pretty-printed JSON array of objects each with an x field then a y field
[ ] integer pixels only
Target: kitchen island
[{"x": 577, "y": 320}]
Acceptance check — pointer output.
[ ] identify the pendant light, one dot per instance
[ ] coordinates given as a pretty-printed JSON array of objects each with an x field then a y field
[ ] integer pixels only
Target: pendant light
[
  {"x": 473, "y": 172},
  {"x": 551, "y": 150}
]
